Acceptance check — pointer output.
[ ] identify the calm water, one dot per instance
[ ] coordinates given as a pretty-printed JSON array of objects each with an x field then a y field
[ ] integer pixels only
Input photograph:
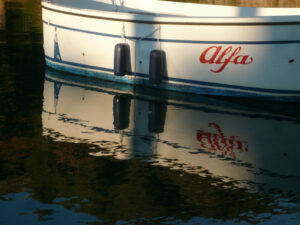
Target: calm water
[{"x": 77, "y": 151}]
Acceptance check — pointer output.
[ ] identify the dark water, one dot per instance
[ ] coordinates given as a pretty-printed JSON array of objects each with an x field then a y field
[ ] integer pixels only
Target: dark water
[
  {"x": 77, "y": 151},
  {"x": 248, "y": 3}
]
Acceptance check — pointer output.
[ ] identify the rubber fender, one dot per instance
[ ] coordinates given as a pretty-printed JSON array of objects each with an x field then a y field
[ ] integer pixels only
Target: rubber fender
[
  {"x": 157, "y": 66},
  {"x": 121, "y": 59}
]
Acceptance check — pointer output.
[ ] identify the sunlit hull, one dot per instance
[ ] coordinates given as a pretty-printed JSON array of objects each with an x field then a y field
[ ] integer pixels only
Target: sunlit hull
[
  {"x": 243, "y": 51},
  {"x": 251, "y": 147}
]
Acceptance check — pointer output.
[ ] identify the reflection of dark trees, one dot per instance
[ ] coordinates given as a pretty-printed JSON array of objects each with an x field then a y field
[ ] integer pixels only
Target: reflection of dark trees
[
  {"x": 119, "y": 190},
  {"x": 247, "y": 3},
  {"x": 2, "y": 14},
  {"x": 21, "y": 67},
  {"x": 21, "y": 83}
]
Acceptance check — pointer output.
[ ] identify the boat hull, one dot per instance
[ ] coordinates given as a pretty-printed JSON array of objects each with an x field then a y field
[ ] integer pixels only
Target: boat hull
[{"x": 219, "y": 56}]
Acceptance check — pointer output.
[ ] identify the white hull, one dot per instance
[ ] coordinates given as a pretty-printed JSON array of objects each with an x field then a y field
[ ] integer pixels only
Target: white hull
[
  {"x": 248, "y": 146},
  {"x": 211, "y": 50}
]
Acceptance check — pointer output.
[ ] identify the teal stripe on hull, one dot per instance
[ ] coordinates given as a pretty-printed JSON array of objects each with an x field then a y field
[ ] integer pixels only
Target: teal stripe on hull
[{"x": 186, "y": 86}]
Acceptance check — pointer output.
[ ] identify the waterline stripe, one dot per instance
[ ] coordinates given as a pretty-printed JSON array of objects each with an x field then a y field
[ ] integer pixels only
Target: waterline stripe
[
  {"x": 186, "y": 81},
  {"x": 80, "y": 65},
  {"x": 174, "y": 41}
]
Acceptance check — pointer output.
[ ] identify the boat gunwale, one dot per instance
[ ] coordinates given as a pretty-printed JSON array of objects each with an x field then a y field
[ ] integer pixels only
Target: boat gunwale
[{"x": 169, "y": 20}]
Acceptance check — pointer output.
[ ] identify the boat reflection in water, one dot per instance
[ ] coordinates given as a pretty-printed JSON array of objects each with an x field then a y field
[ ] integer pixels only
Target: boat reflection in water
[{"x": 252, "y": 147}]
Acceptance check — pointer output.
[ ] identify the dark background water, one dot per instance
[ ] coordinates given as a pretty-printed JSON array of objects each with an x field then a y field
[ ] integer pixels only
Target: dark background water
[
  {"x": 248, "y": 3},
  {"x": 67, "y": 167}
]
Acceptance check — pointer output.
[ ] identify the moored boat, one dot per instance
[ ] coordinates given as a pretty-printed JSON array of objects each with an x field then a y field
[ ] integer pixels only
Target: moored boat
[{"x": 195, "y": 48}]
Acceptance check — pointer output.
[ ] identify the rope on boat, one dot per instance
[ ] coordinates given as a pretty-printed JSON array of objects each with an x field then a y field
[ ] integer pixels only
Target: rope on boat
[
  {"x": 123, "y": 37},
  {"x": 114, "y": 2},
  {"x": 157, "y": 57},
  {"x": 142, "y": 38}
]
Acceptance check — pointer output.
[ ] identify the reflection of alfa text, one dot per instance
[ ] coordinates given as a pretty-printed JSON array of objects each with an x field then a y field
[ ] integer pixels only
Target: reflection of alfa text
[{"x": 218, "y": 142}]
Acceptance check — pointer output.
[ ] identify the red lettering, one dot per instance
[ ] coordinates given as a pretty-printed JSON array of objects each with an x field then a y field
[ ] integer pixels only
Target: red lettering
[
  {"x": 224, "y": 57},
  {"x": 213, "y": 57},
  {"x": 224, "y": 53},
  {"x": 228, "y": 60},
  {"x": 242, "y": 59}
]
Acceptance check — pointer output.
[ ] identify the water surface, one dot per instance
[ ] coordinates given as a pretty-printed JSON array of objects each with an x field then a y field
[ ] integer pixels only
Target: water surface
[{"x": 82, "y": 151}]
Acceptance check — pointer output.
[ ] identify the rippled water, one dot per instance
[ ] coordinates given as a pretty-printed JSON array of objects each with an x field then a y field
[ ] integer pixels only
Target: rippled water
[{"x": 78, "y": 151}]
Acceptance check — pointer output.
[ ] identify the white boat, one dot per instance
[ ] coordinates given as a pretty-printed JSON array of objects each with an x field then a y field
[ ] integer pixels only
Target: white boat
[{"x": 196, "y": 48}]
